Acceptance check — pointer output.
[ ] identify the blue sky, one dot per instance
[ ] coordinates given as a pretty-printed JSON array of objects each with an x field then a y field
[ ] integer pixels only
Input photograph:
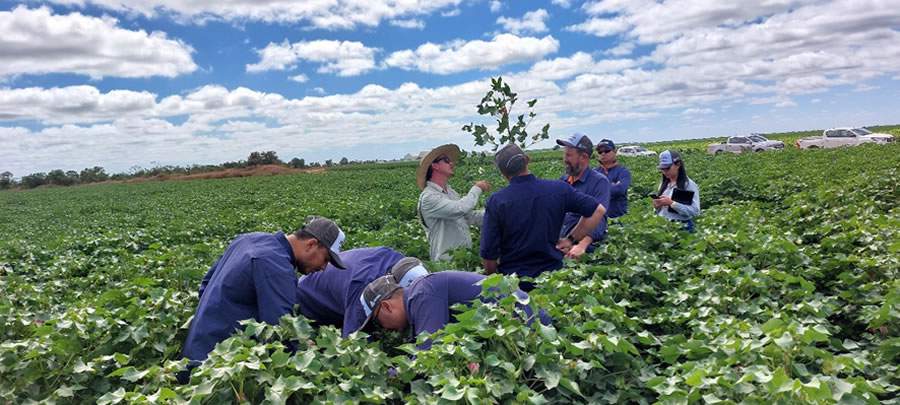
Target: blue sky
[{"x": 123, "y": 83}]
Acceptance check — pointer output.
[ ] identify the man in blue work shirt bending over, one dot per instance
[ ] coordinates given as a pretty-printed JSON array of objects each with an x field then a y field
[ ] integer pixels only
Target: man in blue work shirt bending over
[
  {"x": 619, "y": 178},
  {"x": 424, "y": 306},
  {"x": 577, "y": 158},
  {"x": 256, "y": 278},
  {"x": 332, "y": 297},
  {"x": 520, "y": 232}
]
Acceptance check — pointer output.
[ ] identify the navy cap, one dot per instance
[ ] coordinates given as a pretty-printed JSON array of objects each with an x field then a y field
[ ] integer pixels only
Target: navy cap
[
  {"x": 605, "y": 144},
  {"x": 510, "y": 159},
  {"x": 578, "y": 141}
]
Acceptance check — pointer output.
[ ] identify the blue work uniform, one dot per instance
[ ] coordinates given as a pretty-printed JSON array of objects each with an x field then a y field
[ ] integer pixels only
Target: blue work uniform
[
  {"x": 255, "y": 278},
  {"x": 619, "y": 181},
  {"x": 331, "y": 297},
  {"x": 596, "y": 185},
  {"x": 522, "y": 222},
  {"x": 428, "y": 300}
]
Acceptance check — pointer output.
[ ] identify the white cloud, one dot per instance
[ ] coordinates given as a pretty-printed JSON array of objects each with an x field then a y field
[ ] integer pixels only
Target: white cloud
[
  {"x": 622, "y": 49},
  {"x": 531, "y": 22},
  {"x": 301, "y": 78},
  {"x": 562, "y": 3},
  {"x": 318, "y": 90},
  {"x": 578, "y": 63},
  {"x": 697, "y": 111},
  {"x": 460, "y": 56},
  {"x": 601, "y": 27},
  {"x": 410, "y": 24},
  {"x": 36, "y": 41},
  {"x": 325, "y": 14},
  {"x": 345, "y": 58},
  {"x": 452, "y": 13},
  {"x": 496, "y": 5}
]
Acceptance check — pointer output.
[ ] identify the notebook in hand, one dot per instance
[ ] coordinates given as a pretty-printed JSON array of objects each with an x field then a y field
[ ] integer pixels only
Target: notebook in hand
[{"x": 682, "y": 197}]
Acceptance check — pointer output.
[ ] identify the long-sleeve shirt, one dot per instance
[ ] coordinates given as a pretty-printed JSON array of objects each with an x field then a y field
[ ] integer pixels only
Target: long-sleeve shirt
[
  {"x": 683, "y": 212},
  {"x": 254, "y": 278},
  {"x": 619, "y": 181},
  {"x": 595, "y": 185},
  {"x": 327, "y": 297},
  {"x": 522, "y": 222},
  {"x": 447, "y": 217},
  {"x": 428, "y": 300}
]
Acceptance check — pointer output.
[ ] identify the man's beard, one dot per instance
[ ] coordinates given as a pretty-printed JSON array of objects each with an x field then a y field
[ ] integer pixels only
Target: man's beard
[{"x": 572, "y": 170}]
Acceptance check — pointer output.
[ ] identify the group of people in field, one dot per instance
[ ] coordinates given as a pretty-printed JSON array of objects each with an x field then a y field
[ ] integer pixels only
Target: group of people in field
[{"x": 527, "y": 228}]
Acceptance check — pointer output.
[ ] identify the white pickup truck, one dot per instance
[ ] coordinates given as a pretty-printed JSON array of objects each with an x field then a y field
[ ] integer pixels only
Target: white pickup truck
[
  {"x": 837, "y": 137},
  {"x": 740, "y": 144}
]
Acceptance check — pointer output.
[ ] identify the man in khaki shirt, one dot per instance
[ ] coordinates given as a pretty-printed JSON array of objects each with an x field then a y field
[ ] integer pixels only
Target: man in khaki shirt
[{"x": 444, "y": 214}]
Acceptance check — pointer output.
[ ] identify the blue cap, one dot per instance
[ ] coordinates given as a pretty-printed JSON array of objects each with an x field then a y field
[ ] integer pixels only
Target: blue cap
[
  {"x": 605, "y": 144},
  {"x": 668, "y": 158},
  {"x": 578, "y": 141}
]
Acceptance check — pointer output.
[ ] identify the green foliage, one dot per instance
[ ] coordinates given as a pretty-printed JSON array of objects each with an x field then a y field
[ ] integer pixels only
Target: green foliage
[
  {"x": 498, "y": 103},
  {"x": 787, "y": 293}
]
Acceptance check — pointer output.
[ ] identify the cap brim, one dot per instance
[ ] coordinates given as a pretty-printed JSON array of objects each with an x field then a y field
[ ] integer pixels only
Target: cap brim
[
  {"x": 451, "y": 150},
  {"x": 561, "y": 142},
  {"x": 371, "y": 316},
  {"x": 663, "y": 166},
  {"x": 335, "y": 260}
]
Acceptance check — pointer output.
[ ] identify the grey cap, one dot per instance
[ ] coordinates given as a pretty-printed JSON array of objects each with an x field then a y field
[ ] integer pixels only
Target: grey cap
[
  {"x": 329, "y": 234},
  {"x": 407, "y": 270},
  {"x": 578, "y": 141},
  {"x": 510, "y": 159},
  {"x": 379, "y": 289}
]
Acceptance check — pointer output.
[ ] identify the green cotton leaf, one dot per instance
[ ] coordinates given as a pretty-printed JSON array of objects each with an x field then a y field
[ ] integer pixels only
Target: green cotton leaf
[
  {"x": 279, "y": 358},
  {"x": 65, "y": 391},
  {"x": 112, "y": 397},
  {"x": 276, "y": 393},
  {"x": 550, "y": 376},
  {"x": 786, "y": 342},
  {"x": 711, "y": 399},
  {"x": 670, "y": 353},
  {"x": 80, "y": 367},
  {"x": 780, "y": 382},
  {"x": 695, "y": 378},
  {"x": 570, "y": 385},
  {"x": 453, "y": 392},
  {"x": 841, "y": 387},
  {"x": 529, "y": 362},
  {"x": 817, "y": 391},
  {"x": 815, "y": 334},
  {"x": 532, "y": 103},
  {"x": 548, "y": 332},
  {"x": 660, "y": 277},
  {"x": 772, "y": 325}
]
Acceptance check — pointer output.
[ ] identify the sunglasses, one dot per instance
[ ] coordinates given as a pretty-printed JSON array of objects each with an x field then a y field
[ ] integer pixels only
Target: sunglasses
[
  {"x": 442, "y": 159},
  {"x": 604, "y": 151}
]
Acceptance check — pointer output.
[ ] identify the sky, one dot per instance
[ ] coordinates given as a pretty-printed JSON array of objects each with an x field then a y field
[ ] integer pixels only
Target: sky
[{"x": 142, "y": 83}]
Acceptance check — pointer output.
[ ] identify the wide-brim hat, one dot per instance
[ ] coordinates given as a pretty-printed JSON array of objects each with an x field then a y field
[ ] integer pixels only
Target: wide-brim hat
[{"x": 450, "y": 150}]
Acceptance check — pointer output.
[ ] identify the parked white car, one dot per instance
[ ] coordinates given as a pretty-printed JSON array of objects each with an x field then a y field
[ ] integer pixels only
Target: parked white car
[
  {"x": 740, "y": 144},
  {"x": 634, "y": 150},
  {"x": 837, "y": 137}
]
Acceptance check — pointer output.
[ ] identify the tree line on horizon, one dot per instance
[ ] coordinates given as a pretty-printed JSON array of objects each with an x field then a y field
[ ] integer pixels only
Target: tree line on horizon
[{"x": 96, "y": 174}]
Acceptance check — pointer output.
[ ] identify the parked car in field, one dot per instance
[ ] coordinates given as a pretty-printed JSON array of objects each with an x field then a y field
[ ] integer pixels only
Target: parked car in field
[
  {"x": 837, "y": 137},
  {"x": 634, "y": 150},
  {"x": 740, "y": 144}
]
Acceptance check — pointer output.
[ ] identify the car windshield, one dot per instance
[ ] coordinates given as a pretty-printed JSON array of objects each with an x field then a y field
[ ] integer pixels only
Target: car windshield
[
  {"x": 757, "y": 138},
  {"x": 639, "y": 149},
  {"x": 861, "y": 131}
]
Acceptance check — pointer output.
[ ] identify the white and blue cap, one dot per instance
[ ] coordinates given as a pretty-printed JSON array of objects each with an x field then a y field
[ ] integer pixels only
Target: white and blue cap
[
  {"x": 407, "y": 270},
  {"x": 378, "y": 290},
  {"x": 668, "y": 158},
  {"x": 578, "y": 141},
  {"x": 328, "y": 234}
]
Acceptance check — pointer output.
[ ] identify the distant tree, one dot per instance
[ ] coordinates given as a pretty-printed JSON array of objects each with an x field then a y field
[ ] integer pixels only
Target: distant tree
[
  {"x": 6, "y": 180},
  {"x": 60, "y": 178},
  {"x": 263, "y": 158},
  {"x": 329, "y": 163},
  {"x": 344, "y": 161},
  {"x": 33, "y": 180},
  {"x": 93, "y": 174},
  {"x": 297, "y": 163}
]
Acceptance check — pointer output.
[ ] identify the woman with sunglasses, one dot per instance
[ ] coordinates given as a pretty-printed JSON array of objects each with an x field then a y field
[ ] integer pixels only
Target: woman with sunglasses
[{"x": 678, "y": 198}]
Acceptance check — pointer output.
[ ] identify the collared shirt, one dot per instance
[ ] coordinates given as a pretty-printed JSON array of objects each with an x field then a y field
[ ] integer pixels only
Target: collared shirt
[
  {"x": 326, "y": 297},
  {"x": 447, "y": 217},
  {"x": 522, "y": 222},
  {"x": 683, "y": 212},
  {"x": 596, "y": 185},
  {"x": 253, "y": 279},
  {"x": 428, "y": 300},
  {"x": 619, "y": 181}
]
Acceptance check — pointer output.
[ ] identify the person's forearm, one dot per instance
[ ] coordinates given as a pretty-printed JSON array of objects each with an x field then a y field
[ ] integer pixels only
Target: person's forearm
[
  {"x": 585, "y": 242},
  {"x": 587, "y": 224}
]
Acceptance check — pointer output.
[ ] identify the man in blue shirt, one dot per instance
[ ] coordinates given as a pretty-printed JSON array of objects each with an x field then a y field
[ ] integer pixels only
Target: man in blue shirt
[
  {"x": 619, "y": 178},
  {"x": 424, "y": 306},
  {"x": 577, "y": 158},
  {"x": 256, "y": 278},
  {"x": 332, "y": 297},
  {"x": 520, "y": 232}
]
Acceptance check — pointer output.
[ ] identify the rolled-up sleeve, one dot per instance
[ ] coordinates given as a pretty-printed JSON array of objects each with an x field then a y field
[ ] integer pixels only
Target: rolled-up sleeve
[{"x": 436, "y": 205}]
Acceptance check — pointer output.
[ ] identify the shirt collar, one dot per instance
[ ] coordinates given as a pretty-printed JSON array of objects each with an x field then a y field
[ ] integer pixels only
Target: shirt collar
[
  {"x": 436, "y": 187},
  {"x": 522, "y": 179}
]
